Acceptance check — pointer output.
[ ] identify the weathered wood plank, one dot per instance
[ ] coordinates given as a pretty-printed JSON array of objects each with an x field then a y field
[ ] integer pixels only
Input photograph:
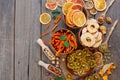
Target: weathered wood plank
[
  {"x": 6, "y": 39},
  {"x": 34, "y": 55},
  {"x": 22, "y": 39}
]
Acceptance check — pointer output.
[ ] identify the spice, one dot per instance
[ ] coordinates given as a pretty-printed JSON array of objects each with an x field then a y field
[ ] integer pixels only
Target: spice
[
  {"x": 54, "y": 27},
  {"x": 57, "y": 19},
  {"x": 48, "y": 25},
  {"x": 50, "y": 68},
  {"x": 54, "y": 70}
]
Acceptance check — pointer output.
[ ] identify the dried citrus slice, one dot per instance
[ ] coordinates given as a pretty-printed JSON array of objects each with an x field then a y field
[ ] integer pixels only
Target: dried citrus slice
[
  {"x": 60, "y": 2},
  {"x": 98, "y": 55},
  {"x": 81, "y": 2},
  {"x": 52, "y": 6},
  {"x": 79, "y": 19},
  {"x": 76, "y": 7},
  {"x": 100, "y": 5},
  {"x": 89, "y": 5},
  {"x": 66, "y": 7},
  {"x": 45, "y": 18},
  {"x": 69, "y": 16}
]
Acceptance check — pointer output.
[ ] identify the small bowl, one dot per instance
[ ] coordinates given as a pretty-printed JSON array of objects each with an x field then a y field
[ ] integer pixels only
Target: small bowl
[
  {"x": 73, "y": 26},
  {"x": 53, "y": 48},
  {"x": 76, "y": 74},
  {"x": 79, "y": 35}
]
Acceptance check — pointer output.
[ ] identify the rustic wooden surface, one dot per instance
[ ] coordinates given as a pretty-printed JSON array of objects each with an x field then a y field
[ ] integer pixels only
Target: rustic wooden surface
[{"x": 19, "y": 30}]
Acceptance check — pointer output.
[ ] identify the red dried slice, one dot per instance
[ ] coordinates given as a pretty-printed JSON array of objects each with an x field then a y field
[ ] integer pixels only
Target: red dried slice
[
  {"x": 79, "y": 1},
  {"x": 76, "y": 7},
  {"x": 52, "y": 6}
]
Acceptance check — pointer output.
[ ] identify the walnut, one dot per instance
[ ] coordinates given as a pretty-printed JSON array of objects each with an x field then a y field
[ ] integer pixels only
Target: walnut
[{"x": 108, "y": 20}]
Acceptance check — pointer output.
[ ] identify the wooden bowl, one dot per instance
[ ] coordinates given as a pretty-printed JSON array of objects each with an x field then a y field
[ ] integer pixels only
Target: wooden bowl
[
  {"x": 76, "y": 74},
  {"x": 73, "y": 26},
  {"x": 63, "y": 29},
  {"x": 79, "y": 35}
]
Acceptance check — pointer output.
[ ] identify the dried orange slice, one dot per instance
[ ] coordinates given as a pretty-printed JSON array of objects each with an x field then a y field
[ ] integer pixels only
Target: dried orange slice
[
  {"x": 100, "y": 5},
  {"x": 66, "y": 7},
  {"x": 45, "y": 18},
  {"x": 76, "y": 7},
  {"x": 79, "y": 19},
  {"x": 69, "y": 15},
  {"x": 51, "y": 4}
]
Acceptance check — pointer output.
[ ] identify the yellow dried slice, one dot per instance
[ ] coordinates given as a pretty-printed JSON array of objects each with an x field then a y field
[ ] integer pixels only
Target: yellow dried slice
[
  {"x": 100, "y": 5},
  {"x": 66, "y": 7},
  {"x": 79, "y": 19},
  {"x": 45, "y": 18}
]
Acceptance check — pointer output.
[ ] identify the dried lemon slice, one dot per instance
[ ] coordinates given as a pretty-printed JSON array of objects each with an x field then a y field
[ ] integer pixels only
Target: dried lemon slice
[
  {"x": 45, "y": 18},
  {"x": 100, "y": 5},
  {"x": 79, "y": 19},
  {"x": 66, "y": 7}
]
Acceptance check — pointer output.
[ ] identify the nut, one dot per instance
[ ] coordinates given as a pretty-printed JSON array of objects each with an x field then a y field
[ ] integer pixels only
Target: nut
[
  {"x": 103, "y": 29},
  {"x": 108, "y": 20},
  {"x": 101, "y": 19}
]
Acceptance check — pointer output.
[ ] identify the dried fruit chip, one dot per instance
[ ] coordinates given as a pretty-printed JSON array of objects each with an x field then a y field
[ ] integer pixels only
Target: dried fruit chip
[
  {"x": 79, "y": 19},
  {"x": 45, "y": 18}
]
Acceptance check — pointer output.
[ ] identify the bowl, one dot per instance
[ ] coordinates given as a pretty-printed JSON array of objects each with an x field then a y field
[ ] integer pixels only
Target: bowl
[
  {"x": 79, "y": 38},
  {"x": 61, "y": 41},
  {"x": 87, "y": 72},
  {"x": 76, "y": 27}
]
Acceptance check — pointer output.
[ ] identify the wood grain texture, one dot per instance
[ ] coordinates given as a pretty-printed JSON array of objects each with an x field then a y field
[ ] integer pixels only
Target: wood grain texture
[
  {"x": 6, "y": 39},
  {"x": 35, "y": 30},
  {"x": 22, "y": 39},
  {"x": 19, "y": 30}
]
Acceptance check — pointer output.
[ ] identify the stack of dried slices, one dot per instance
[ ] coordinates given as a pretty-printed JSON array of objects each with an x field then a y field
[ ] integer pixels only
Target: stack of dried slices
[{"x": 75, "y": 14}]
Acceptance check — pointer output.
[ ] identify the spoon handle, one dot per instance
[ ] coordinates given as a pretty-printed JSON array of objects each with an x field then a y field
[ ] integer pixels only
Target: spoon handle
[
  {"x": 112, "y": 1},
  {"x": 113, "y": 27}
]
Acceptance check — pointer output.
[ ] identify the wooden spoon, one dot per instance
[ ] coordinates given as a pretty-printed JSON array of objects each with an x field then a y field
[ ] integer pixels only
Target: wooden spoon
[
  {"x": 101, "y": 18},
  {"x": 104, "y": 46}
]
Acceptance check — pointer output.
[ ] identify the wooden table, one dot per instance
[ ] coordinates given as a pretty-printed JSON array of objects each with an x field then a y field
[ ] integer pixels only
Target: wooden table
[{"x": 19, "y": 30}]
